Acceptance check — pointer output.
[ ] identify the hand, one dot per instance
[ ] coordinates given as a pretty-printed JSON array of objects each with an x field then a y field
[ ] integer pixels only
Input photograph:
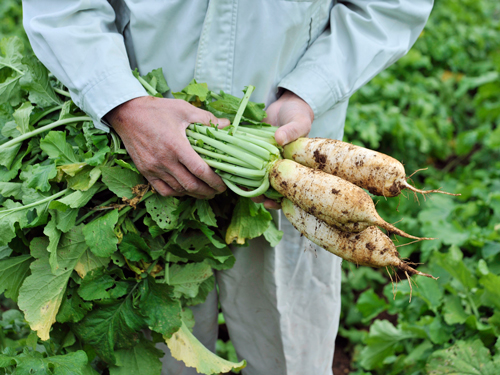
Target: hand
[
  {"x": 154, "y": 133},
  {"x": 294, "y": 118}
]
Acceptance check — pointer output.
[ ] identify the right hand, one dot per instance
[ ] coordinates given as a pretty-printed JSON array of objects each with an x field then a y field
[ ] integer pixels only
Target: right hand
[{"x": 154, "y": 133}]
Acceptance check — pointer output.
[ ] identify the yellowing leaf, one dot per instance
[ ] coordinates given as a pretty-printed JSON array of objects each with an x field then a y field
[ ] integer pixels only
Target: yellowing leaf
[
  {"x": 185, "y": 347},
  {"x": 41, "y": 293}
]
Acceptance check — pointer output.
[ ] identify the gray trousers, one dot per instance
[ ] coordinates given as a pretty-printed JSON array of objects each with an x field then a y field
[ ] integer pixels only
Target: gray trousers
[{"x": 281, "y": 306}]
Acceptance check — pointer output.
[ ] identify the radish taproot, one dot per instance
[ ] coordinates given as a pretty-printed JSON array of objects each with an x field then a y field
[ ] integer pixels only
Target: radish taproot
[
  {"x": 371, "y": 247},
  {"x": 378, "y": 173},
  {"x": 336, "y": 201}
]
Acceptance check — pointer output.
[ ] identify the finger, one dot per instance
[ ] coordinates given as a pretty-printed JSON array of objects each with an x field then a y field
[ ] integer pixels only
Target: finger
[
  {"x": 197, "y": 166},
  {"x": 193, "y": 185},
  {"x": 292, "y": 131},
  {"x": 170, "y": 180},
  {"x": 163, "y": 189},
  {"x": 259, "y": 199},
  {"x": 207, "y": 118},
  {"x": 272, "y": 205}
]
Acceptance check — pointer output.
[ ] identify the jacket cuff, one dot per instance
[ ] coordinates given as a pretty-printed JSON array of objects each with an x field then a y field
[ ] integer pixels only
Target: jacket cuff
[
  {"x": 312, "y": 87},
  {"x": 107, "y": 93}
]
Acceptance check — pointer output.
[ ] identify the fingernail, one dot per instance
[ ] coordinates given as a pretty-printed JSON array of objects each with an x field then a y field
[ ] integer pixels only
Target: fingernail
[{"x": 221, "y": 188}]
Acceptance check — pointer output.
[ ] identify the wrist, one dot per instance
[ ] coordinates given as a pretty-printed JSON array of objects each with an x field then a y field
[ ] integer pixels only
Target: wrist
[{"x": 118, "y": 116}]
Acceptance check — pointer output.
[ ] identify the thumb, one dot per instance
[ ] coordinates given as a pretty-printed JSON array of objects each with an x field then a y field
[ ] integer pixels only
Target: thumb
[{"x": 291, "y": 131}]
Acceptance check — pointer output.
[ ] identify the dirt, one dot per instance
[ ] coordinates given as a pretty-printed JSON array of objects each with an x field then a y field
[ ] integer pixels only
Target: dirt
[
  {"x": 320, "y": 159},
  {"x": 341, "y": 360}
]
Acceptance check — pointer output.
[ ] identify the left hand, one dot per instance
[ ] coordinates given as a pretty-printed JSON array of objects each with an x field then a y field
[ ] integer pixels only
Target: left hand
[{"x": 294, "y": 118}]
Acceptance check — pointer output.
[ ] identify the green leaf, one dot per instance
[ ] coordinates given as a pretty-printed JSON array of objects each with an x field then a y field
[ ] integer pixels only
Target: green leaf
[
  {"x": 41, "y": 293},
  {"x": 98, "y": 157},
  {"x": 112, "y": 325},
  {"x": 205, "y": 212},
  {"x": 76, "y": 199},
  {"x": 54, "y": 236},
  {"x": 272, "y": 234},
  {"x": 185, "y": 347},
  {"x": 9, "y": 130},
  {"x": 67, "y": 364},
  {"x": 65, "y": 220},
  {"x": 73, "y": 308},
  {"x": 72, "y": 169},
  {"x": 162, "y": 210},
  {"x": 370, "y": 305},
  {"x": 22, "y": 117},
  {"x": 463, "y": 358},
  {"x": 13, "y": 271},
  {"x": 36, "y": 82},
  {"x": 126, "y": 165},
  {"x": 56, "y": 147},
  {"x": 88, "y": 262},
  {"x": 95, "y": 285},
  {"x": 452, "y": 263},
  {"x": 7, "y": 174},
  {"x": 100, "y": 235},
  {"x": 8, "y": 155},
  {"x": 249, "y": 220},
  {"x": 194, "y": 92},
  {"x": 12, "y": 50},
  {"x": 381, "y": 343},
  {"x": 12, "y": 213},
  {"x": 186, "y": 279},
  {"x": 121, "y": 181},
  {"x": 491, "y": 283},
  {"x": 205, "y": 288},
  {"x": 431, "y": 292},
  {"x": 142, "y": 359},
  {"x": 11, "y": 189},
  {"x": 453, "y": 311},
  {"x": 161, "y": 313},
  {"x": 156, "y": 79},
  {"x": 85, "y": 180},
  {"x": 135, "y": 248},
  {"x": 38, "y": 176}
]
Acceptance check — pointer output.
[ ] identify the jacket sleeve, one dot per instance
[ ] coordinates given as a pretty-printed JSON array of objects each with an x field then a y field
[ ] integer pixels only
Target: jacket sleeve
[
  {"x": 363, "y": 38},
  {"x": 78, "y": 41}
]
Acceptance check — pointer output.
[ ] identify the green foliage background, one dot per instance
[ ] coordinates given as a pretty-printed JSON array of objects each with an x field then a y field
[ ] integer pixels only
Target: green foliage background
[{"x": 438, "y": 107}]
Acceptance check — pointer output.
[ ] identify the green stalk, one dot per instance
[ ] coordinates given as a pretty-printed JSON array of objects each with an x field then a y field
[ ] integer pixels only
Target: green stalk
[
  {"x": 241, "y": 109},
  {"x": 269, "y": 147},
  {"x": 240, "y": 180},
  {"x": 249, "y": 194},
  {"x": 260, "y": 129},
  {"x": 244, "y": 172},
  {"x": 215, "y": 155},
  {"x": 147, "y": 86},
  {"x": 42, "y": 129},
  {"x": 270, "y": 139},
  {"x": 45, "y": 113},
  {"x": 91, "y": 212},
  {"x": 228, "y": 149},
  {"x": 62, "y": 92},
  {"x": 34, "y": 204},
  {"x": 223, "y": 136}
]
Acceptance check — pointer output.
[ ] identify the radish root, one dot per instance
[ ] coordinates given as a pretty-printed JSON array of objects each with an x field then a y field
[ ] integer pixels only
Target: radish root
[{"x": 423, "y": 192}]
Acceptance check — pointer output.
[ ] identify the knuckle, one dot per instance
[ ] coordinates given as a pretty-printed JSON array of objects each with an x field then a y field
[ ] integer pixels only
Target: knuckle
[
  {"x": 199, "y": 169},
  {"x": 191, "y": 186}
]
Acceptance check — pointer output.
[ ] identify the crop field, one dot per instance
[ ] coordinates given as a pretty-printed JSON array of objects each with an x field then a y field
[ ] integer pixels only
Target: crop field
[{"x": 438, "y": 107}]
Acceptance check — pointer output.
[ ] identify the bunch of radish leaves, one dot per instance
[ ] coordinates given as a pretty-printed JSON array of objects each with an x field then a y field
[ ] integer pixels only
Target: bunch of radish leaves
[{"x": 92, "y": 256}]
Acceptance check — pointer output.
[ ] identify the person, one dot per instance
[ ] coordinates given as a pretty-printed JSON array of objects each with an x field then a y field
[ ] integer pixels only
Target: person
[{"x": 306, "y": 58}]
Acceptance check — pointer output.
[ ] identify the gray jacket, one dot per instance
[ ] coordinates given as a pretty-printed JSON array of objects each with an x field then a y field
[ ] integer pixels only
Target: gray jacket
[{"x": 322, "y": 50}]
